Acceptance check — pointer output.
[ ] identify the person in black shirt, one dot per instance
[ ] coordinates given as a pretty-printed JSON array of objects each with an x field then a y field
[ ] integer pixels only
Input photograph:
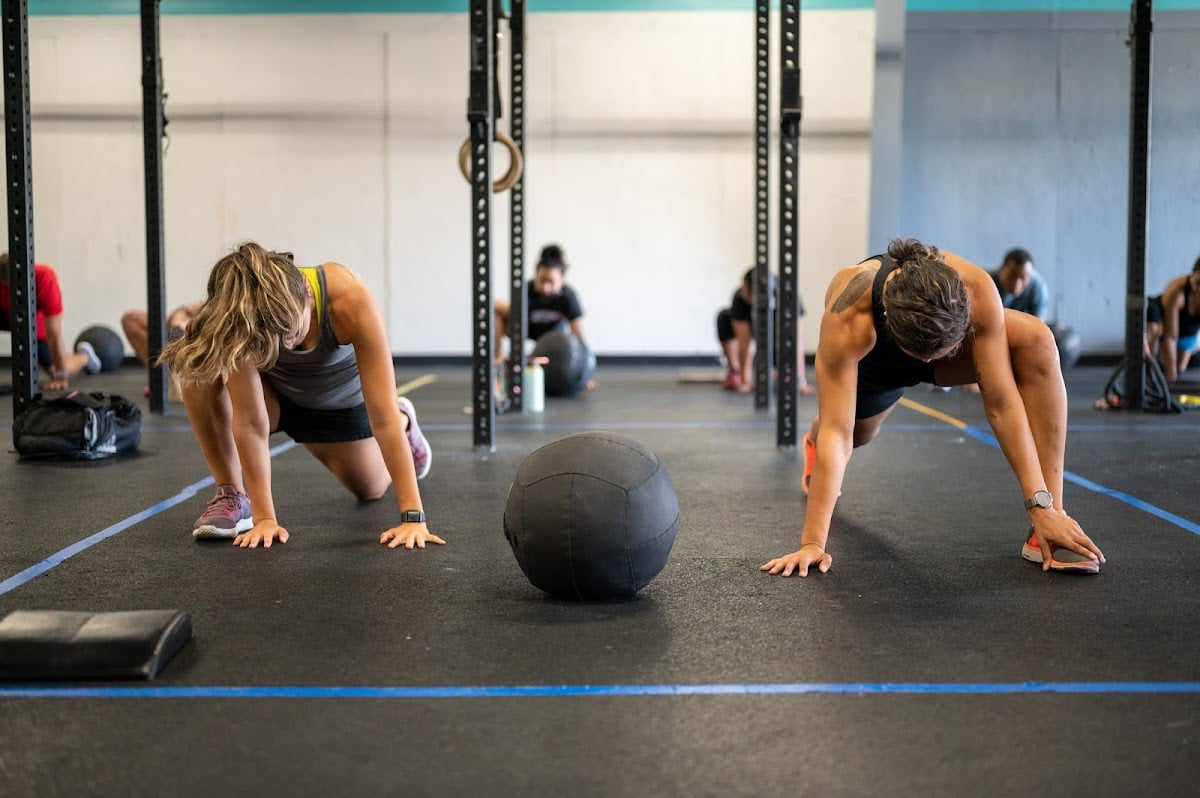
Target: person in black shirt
[
  {"x": 735, "y": 331},
  {"x": 551, "y": 303}
]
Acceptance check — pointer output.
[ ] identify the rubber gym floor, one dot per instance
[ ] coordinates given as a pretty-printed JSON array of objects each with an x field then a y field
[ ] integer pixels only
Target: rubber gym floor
[{"x": 932, "y": 660}]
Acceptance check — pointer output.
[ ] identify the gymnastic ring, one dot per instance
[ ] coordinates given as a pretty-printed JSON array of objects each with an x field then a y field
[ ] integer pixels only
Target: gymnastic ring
[{"x": 515, "y": 165}]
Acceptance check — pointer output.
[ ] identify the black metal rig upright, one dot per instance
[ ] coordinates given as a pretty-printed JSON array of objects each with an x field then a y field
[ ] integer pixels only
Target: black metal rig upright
[
  {"x": 790, "y": 111},
  {"x": 481, "y": 120},
  {"x": 23, "y": 310},
  {"x": 518, "y": 312},
  {"x": 153, "y": 128},
  {"x": 1140, "y": 27},
  {"x": 764, "y": 333}
]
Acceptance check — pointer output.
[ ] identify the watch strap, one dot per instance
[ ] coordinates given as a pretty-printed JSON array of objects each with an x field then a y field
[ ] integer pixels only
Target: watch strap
[{"x": 412, "y": 517}]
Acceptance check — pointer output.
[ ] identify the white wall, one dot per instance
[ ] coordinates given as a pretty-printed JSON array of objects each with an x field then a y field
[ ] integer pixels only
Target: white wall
[{"x": 336, "y": 137}]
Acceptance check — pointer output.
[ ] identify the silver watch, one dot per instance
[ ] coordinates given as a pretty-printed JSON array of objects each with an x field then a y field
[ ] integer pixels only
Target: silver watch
[{"x": 1041, "y": 498}]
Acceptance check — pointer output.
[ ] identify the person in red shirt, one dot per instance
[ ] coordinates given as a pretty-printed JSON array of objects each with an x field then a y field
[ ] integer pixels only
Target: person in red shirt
[{"x": 52, "y": 347}]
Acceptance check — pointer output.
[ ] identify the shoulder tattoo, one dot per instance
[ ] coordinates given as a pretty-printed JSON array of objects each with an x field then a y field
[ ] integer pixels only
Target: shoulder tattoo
[{"x": 853, "y": 290}]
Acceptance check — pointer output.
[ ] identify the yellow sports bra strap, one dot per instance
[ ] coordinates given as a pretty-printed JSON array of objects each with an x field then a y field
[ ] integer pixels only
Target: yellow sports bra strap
[{"x": 310, "y": 273}]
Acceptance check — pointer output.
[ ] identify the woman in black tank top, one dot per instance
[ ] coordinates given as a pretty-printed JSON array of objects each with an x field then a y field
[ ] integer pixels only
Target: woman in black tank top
[
  {"x": 1173, "y": 323},
  {"x": 923, "y": 315}
]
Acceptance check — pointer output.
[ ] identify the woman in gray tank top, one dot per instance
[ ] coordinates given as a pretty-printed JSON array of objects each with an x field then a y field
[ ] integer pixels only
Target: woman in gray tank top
[{"x": 300, "y": 350}]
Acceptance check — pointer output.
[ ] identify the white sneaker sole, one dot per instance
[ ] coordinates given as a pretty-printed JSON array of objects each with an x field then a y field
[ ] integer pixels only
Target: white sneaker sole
[{"x": 217, "y": 533}]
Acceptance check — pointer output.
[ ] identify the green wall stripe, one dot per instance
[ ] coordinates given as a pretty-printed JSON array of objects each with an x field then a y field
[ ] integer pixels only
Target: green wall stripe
[
  {"x": 1045, "y": 5},
  {"x": 206, "y": 7}
]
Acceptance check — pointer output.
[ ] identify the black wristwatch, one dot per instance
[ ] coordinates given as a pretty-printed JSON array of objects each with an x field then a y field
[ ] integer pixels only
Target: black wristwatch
[
  {"x": 412, "y": 517},
  {"x": 1040, "y": 498}
]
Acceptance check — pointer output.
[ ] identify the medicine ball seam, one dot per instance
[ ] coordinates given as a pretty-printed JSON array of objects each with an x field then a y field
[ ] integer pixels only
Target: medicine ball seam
[
  {"x": 672, "y": 528},
  {"x": 570, "y": 529},
  {"x": 605, "y": 436}
]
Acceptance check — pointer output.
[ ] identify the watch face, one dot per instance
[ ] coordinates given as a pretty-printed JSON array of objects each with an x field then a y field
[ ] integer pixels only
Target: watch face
[{"x": 1043, "y": 499}]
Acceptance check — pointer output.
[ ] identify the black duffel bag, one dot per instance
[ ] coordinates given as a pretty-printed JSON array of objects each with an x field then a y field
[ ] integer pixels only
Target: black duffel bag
[{"x": 78, "y": 426}]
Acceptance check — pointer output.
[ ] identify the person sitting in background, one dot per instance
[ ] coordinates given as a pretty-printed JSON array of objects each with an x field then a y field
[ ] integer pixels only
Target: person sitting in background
[
  {"x": 136, "y": 324},
  {"x": 1021, "y": 287},
  {"x": 735, "y": 331},
  {"x": 1173, "y": 323},
  {"x": 551, "y": 306},
  {"x": 51, "y": 345}
]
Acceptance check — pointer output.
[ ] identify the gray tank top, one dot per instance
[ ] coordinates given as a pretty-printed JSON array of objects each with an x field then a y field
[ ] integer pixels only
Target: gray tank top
[{"x": 326, "y": 376}]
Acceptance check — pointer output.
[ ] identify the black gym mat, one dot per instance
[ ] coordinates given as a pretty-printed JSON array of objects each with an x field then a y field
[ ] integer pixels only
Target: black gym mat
[{"x": 932, "y": 660}]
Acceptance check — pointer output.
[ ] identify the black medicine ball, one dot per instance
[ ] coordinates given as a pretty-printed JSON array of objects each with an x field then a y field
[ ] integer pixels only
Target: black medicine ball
[
  {"x": 591, "y": 516},
  {"x": 108, "y": 345},
  {"x": 566, "y": 373}
]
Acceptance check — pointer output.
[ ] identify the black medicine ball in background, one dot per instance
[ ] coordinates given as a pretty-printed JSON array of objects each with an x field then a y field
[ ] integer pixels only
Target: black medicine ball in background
[
  {"x": 108, "y": 345},
  {"x": 567, "y": 371}
]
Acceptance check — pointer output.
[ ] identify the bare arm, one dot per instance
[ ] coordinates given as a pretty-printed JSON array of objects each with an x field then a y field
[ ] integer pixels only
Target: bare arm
[
  {"x": 359, "y": 322},
  {"x": 988, "y": 345},
  {"x": 1009, "y": 417},
  {"x": 837, "y": 378},
  {"x": 58, "y": 352},
  {"x": 847, "y": 335},
  {"x": 251, "y": 432},
  {"x": 576, "y": 326}
]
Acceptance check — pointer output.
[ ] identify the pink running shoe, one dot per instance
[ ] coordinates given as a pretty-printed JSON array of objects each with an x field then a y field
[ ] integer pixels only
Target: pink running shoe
[
  {"x": 422, "y": 454},
  {"x": 227, "y": 516}
]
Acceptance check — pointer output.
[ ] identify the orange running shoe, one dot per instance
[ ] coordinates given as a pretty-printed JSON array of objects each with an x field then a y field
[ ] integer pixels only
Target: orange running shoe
[
  {"x": 1060, "y": 559},
  {"x": 810, "y": 461}
]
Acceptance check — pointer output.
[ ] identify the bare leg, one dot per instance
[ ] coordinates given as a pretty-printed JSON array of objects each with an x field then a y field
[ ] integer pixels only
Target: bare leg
[
  {"x": 75, "y": 363},
  {"x": 358, "y": 465},
  {"x": 865, "y": 429},
  {"x": 211, "y": 413},
  {"x": 136, "y": 325},
  {"x": 729, "y": 349}
]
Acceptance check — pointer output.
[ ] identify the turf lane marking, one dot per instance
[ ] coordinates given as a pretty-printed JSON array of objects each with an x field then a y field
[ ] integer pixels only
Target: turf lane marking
[
  {"x": 929, "y": 411},
  {"x": 985, "y": 437},
  {"x": 34, "y": 571},
  {"x": 412, "y": 385},
  {"x": 570, "y": 690}
]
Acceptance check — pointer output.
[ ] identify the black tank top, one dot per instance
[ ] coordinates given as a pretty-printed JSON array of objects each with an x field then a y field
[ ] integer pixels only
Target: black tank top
[
  {"x": 886, "y": 367},
  {"x": 1189, "y": 323}
]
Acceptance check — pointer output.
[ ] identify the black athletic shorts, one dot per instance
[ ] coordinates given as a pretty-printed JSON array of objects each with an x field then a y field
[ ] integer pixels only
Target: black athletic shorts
[
  {"x": 880, "y": 385},
  {"x": 310, "y": 425}
]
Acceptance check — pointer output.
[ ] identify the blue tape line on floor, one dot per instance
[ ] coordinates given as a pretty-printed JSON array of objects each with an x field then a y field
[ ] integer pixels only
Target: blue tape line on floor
[
  {"x": 567, "y": 690},
  {"x": 34, "y": 571},
  {"x": 1083, "y": 482}
]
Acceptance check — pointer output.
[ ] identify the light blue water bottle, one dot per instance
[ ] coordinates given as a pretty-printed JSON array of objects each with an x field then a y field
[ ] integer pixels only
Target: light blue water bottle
[{"x": 533, "y": 387}]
